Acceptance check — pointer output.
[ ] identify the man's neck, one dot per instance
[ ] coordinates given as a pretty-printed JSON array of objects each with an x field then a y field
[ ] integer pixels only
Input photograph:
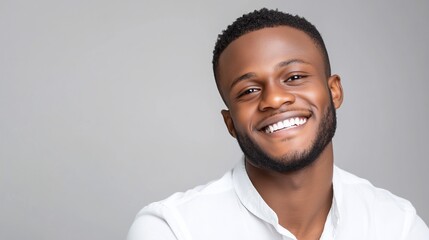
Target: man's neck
[{"x": 301, "y": 199}]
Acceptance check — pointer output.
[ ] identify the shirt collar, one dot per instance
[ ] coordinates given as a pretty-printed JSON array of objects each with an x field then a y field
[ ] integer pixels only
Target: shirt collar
[
  {"x": 254, "y": 203},
  {"x": 250, "y": 197}
]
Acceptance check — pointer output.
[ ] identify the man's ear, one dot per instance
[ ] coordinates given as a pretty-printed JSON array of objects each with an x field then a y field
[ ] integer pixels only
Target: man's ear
[
  {"x": 228, "y": 122},
  {"x": 334, "y": 84}
]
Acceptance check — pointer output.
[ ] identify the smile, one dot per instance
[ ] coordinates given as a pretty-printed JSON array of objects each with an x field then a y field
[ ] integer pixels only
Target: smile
[{"x": 285, "y": 124}]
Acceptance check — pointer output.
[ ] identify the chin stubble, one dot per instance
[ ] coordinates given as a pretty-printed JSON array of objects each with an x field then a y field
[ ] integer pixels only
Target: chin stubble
[{"x": 298, "y": 159}]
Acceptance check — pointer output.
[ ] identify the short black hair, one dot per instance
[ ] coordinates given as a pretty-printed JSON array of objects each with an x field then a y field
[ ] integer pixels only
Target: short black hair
[{"x": 266, "y": 18}]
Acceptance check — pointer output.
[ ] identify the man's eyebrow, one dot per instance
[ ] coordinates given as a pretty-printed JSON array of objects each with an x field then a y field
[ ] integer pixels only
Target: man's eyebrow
[
  {"x": 290, "y": 61},
  {"x": 279, "y": 65},
  {"x": 243, "y": 77}
]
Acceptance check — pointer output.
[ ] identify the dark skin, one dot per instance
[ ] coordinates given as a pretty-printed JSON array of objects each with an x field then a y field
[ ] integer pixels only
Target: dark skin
[{"x": 271, "y": 75}]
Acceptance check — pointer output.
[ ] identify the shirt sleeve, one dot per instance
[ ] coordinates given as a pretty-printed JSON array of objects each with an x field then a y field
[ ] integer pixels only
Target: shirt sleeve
[{"x": 150, "y": 226}]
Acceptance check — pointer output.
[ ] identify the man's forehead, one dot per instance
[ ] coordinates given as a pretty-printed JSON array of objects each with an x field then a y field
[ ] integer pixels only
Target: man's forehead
[{"x": 253, "y": 45}]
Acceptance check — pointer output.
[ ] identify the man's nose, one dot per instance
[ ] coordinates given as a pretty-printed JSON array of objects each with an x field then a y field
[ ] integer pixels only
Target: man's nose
[{"x": 275, "y": 96}]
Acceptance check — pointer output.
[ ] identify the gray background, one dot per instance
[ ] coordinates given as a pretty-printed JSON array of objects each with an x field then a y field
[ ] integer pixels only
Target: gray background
[{"x": 107, "y": 106}]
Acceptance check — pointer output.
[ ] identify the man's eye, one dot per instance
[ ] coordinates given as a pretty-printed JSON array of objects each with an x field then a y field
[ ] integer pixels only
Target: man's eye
[
  {"x": 249, "y": 91},
  {"x": 295, "y": 77}
]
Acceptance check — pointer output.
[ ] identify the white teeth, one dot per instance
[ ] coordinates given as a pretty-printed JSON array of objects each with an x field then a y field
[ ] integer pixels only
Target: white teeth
[{"x": 292, "y": 122}]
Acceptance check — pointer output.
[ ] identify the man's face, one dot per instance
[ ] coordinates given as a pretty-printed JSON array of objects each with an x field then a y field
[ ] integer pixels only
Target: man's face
[{"x": 280, "y": 106}]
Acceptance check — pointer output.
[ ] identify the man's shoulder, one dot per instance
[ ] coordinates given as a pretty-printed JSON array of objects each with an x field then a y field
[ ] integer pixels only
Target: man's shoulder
[
  {"x": 374, "y": 211},
  {"x": 357, "y": 189},
  {"x": 361, "y": 191},
  {"x": 360, "y": 203},
  {"x": 194, "y": 207},
  {"x": 213, "y": 191}
]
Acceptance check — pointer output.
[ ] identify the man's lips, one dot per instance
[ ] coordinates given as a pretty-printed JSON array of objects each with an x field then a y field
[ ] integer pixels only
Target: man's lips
[{"x": 284, "y": 121}]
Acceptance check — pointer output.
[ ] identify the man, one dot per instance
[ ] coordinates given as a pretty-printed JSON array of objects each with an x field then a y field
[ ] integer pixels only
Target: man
[{"x": 273, "y": 73}]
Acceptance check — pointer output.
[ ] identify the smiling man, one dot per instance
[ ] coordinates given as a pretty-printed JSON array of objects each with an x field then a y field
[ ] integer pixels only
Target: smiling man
[{"x": 273, "y": 73}]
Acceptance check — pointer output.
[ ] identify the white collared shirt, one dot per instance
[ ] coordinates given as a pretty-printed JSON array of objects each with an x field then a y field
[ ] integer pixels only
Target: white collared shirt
[{"x": 231, "y": 208}]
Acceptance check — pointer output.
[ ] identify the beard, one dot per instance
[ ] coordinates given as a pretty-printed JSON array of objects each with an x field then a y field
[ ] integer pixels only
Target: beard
[{"x": 296, "y": 160}]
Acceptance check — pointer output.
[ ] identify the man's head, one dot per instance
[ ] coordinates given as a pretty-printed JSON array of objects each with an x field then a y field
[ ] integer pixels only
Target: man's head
[
  {"x": 265, "y": 18},
  {"x": 272, "y": 71}
]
